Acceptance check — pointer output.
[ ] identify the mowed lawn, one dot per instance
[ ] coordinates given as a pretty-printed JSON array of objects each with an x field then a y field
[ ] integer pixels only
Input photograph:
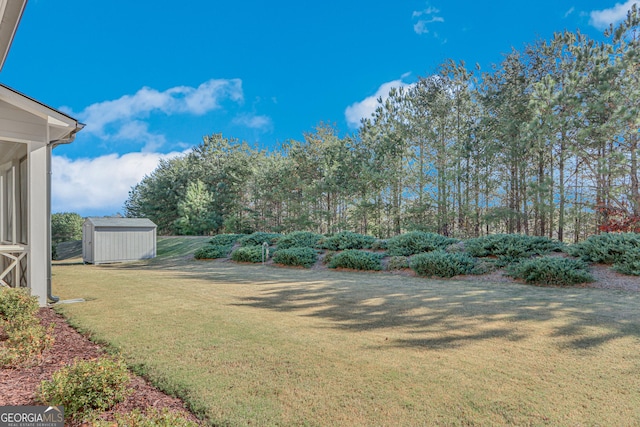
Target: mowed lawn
[{"x": 267, "y": 346}]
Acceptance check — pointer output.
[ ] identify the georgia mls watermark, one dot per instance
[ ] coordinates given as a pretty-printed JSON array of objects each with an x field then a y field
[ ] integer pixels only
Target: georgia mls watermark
[{"x": 31, "y": 416}]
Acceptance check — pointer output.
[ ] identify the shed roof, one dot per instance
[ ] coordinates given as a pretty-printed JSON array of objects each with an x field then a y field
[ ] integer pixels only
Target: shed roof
[{"x": 120, "y": 222}]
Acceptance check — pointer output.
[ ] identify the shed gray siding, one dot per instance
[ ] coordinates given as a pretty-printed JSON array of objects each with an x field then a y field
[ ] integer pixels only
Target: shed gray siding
[{"x": 106, "y": 240}]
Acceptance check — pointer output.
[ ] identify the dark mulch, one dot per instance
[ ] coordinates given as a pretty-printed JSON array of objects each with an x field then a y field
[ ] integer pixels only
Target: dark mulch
[{"x": 18, "y": 385}]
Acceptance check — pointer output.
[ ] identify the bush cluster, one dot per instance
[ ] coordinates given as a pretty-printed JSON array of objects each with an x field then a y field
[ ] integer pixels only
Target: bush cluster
[
  {"x": 510, "y": 248},
  {"x": 299, "y": 239},
  {"x": 298, "y": 256},
  {"x": 416, "y": 242},
  {"x": 606, "y": 248},
  {"x": 380, "y": 245},
  {"x": 629, "y": 262},
  {"x": 346, "y": 240},
  {"x": 358, "y": 260},
  {"x": 398, "y": 262},
  {"x": 551, "y": 271},
  {"x": 225, "y": 239},
  {"x": 442, "y": 264},
  {"x": 258, "y": 238},
  {"x": 87, "y": 386},
  {"x": 22, "y": 337},
  {"x": 212, "y": 252},
  {"x": 248, "y": 254}
]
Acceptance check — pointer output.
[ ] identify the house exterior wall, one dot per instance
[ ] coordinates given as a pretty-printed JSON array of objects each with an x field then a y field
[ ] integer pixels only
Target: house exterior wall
[{"x": 39, "y": 241}]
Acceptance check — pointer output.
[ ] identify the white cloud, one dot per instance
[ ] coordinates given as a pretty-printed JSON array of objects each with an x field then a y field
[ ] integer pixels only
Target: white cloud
[
  {"x": 424, "y": 18},
  {"x": 569, "y": 12},
  {"x": 99, "y": 185},
  {"x": 181, "y": 99},
  {"x": 253, "y": 121},
  {"x": 601, "y": 19},
  {"x": 363, "y": 109}
]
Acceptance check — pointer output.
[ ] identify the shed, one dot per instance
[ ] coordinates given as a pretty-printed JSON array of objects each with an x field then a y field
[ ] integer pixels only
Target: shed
[{"x": 106, "y": 240}]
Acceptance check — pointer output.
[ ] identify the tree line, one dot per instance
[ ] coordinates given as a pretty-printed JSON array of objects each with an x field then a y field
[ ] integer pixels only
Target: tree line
[{"x": 546, "y": 143}]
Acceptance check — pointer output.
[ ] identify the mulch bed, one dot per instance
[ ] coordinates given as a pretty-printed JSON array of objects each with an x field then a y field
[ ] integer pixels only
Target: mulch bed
[{"x": 18, "y": 385}]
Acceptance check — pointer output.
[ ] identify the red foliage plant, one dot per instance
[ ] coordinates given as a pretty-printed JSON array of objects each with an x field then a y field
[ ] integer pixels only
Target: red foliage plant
[{"x": 618, "y": 219}]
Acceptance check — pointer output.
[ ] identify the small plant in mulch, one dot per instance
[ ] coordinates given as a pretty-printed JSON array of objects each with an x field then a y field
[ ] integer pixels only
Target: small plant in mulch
[
  {"x": 87, "y": 386},
  {"x": 22, "y": 338}
]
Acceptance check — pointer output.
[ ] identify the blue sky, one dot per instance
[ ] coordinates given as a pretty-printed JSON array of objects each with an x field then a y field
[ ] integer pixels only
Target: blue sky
[{"x": 150, "y": 78}]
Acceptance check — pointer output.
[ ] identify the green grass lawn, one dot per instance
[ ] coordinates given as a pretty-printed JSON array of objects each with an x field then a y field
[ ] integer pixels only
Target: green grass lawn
[{"x": 254, "y": 345}]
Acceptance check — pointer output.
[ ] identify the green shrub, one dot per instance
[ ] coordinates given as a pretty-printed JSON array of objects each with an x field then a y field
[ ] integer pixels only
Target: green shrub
[
  {"x": 259, "y": 238},
  {"x": 304, "y": 257},
  {"x": 17, "y": 306},
  {"x": 248, "y": 254},
  {"x": 347, "y": 240},
  {"x": 358, "y": 260},
  {"x": 86, "y": 386},
  {"x": 22, "y": 337},
  {"x": 629, "y": 263},
  {"x": 398, "y": 263},
  {"x": 442, "y": 264},
  {"x": 328, "y": 256},
  {"x": 225, "y": 239},
  {"x": 606, "y": 248},
  {"x": 299, "y": 239},
  {"x": 212, "y": 251},
  {"x": 551, "y": 271},
  {"x": 510, "y": 248},
  {"x": 416, "y": 242},
  {"x": 152, "y": 418},
  {"x": 380, "y": 245}
]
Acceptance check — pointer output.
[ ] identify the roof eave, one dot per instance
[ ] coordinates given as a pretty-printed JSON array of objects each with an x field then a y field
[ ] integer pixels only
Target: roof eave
[{"x": 10, "y": 14}]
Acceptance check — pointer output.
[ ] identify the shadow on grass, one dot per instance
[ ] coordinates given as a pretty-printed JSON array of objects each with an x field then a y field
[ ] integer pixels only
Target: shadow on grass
[
  {"x": 444, "y": 314},
  {"x": 434, "y": 314}
]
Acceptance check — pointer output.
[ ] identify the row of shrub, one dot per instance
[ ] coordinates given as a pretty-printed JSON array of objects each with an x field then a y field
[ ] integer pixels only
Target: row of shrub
[
  {"x": 621, "y": 250},
  {"x": 511, "y": 246}
]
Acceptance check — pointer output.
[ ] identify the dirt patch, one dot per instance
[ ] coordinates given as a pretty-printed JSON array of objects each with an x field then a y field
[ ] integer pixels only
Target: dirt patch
[{"x": 18, "y": 386}]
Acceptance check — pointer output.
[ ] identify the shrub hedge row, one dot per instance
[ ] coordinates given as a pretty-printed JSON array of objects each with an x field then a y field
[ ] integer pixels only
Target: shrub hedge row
[
  {"x": 346, "y": 240},
  {"x": 212, "y": 252},
  {"x": 551, "y": 271},
  {"x": 299, "y": 239},
  {"x": 416, "y": 242},
  {"x": 304, "y": 257},
  {"x": 358, "y": 260},
  {"x": 442, "y": 264}
]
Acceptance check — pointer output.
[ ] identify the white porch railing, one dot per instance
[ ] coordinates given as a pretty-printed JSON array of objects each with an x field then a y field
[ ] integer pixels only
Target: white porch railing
[{"x": 13, "y": 269}]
